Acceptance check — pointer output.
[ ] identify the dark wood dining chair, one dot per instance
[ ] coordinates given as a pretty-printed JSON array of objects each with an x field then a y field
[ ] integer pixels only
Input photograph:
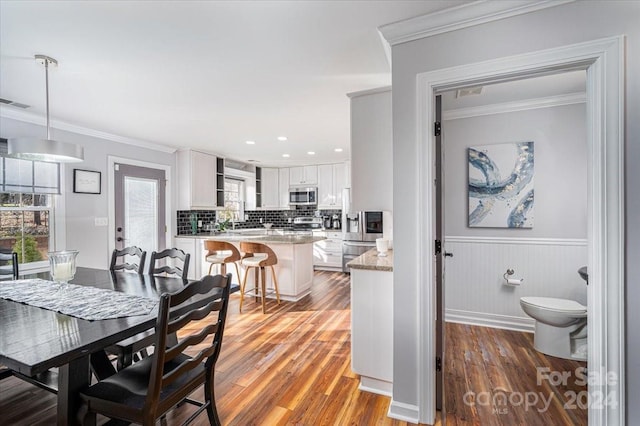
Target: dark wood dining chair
[
  {"x": 146, "y": 390},
  {"x": 120, "y": 261},
  {"x": 157, "y": 266},
  {"x": 8, "y": 264}
]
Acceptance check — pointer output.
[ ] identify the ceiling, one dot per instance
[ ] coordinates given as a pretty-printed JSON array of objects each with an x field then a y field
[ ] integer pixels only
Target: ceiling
[{"x": 209, "y": 75}]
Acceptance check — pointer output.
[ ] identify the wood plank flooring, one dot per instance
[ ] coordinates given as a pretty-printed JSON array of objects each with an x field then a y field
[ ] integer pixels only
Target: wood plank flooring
[
  {"x": 496, "y": 377},
  {"x": 291, "y": 366}
]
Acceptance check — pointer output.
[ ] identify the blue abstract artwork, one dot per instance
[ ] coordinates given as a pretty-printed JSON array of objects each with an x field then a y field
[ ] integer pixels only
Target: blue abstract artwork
[{"x": 501, "y": 185}]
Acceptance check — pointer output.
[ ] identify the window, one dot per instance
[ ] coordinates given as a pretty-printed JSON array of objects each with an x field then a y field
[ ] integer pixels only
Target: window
[
  {"x": 26, "y": 206},
  {"x": 25, "y": 225},
  {"x": 233, "y": 200}
]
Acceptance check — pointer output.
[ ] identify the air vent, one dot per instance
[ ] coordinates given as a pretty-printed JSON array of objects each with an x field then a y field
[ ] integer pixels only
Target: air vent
[
  {"x": 469, "y": 91},
  {"x": 15, "y": 104}
]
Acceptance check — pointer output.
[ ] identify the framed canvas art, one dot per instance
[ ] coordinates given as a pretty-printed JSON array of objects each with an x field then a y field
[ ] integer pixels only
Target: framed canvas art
[{"x": 501, "y": 185}]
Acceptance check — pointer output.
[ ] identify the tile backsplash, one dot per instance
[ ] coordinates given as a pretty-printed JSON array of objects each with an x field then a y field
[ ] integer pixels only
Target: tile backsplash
[{"x": 279, "y": 218}]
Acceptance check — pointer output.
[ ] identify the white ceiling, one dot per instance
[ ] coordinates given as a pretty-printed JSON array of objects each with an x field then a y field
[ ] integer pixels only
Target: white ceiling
[{"x": 207, "y": 75}]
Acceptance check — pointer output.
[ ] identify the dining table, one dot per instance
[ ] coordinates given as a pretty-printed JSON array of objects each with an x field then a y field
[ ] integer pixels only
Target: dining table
[{"x": 61, "y": 351}]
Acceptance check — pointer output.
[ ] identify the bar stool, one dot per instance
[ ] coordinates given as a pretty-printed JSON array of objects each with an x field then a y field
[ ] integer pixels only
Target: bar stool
[
  {"x": 258, "y": 256},
  {"x": 221, "y": 253}
]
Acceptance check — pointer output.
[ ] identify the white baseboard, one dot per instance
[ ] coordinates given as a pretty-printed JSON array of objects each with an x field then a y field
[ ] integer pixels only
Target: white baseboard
[
  {"x": 402, "y": 411},
  {"x": 380, "y": 387},
  {"x": 490, "y": 320}
]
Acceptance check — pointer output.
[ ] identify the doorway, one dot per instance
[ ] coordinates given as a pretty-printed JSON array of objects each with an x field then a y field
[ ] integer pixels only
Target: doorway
[
  {"x": 489, "y": 360},
  {"x": 139, "y": 208},
  {"x": 602, "y": 60}
]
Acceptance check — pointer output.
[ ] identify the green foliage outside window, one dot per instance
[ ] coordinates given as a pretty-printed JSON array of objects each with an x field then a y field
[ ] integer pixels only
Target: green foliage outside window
[{"x": 30, "y": 253}]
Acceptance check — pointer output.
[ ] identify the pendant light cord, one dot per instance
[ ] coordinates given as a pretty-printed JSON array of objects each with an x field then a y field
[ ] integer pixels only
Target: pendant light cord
[{"x": 46, "y": 79}]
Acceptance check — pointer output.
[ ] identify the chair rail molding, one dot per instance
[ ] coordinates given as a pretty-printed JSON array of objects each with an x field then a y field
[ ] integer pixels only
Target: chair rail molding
[{"x": 604, "y": 61}]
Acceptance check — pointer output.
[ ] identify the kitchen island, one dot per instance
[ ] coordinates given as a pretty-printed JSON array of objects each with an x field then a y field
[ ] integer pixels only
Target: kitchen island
[
  {"x": 295, "y": 258},
  {"x": 372, "y": 321}
]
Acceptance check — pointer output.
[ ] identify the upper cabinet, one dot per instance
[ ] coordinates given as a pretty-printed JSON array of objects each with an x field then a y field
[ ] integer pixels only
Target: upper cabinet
[
  {"x": 283, "y": 175},
  {"x": 371, "y": 150},
  {"x": 332, "y": 179},
  {"x": 198, "y": 179},
  {"x": 270, "y": 188},
  {"x": 305, "y": 175}
]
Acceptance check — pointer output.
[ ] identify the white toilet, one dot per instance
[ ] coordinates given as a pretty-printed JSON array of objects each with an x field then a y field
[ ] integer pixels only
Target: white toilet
[{"x": 561, "y": 326}]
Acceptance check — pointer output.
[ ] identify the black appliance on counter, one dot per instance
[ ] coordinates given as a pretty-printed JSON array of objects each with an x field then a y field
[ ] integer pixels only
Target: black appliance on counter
[{"x": 359, "y": 233}]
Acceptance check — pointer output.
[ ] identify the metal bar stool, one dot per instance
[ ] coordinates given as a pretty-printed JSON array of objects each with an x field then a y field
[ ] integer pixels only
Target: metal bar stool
[
  {"x": 258, "y": 256},
  {"x": 221, "y": 253}
]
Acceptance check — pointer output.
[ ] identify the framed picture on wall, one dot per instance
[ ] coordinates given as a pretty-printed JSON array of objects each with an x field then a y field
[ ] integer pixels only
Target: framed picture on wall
[
  {"x": 501, "y": 185},
  {"x": 86, "y": 181}
]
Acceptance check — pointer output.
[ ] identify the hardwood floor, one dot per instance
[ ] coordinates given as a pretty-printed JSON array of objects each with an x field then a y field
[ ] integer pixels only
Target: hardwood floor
[
  {"x": 291, "y": 366},
  {"x": 507, "y": 382}
]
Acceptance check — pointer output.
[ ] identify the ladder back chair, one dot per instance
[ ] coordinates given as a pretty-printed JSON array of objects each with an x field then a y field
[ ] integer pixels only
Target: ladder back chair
[
  {"x": 119, "y": 260},
  {"x": 8, "y": 264},
  {"x": 157, "y": 258},
  {"x": 146, "y": 390},
  {"x": 258, "y": 256}
]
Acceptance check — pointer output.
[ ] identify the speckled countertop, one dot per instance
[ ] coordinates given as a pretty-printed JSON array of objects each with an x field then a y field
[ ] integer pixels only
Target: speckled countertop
[
  {"x": 371, "y": 261},
  {"x": 265, "y": 239}
]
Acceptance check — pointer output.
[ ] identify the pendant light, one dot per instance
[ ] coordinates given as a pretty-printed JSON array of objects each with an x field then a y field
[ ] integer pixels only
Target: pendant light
[{"x": 45, "y": 149}]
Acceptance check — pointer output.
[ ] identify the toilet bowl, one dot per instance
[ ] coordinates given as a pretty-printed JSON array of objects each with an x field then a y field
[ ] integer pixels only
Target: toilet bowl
[{"x": 561, "y": 326}]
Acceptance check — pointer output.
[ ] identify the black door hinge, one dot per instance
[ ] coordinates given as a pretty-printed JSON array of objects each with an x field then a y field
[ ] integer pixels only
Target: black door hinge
[
  {"x": 437, "y": 128},
  {"x": 438, "y": 247},
  {"x": 438, "y": 364}
]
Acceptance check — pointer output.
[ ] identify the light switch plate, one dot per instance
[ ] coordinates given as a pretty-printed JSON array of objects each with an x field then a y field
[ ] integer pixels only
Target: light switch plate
[{"x": 101, "y": 221}]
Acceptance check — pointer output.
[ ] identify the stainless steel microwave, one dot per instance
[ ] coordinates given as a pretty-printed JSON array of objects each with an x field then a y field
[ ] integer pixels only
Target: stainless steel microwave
[{"x": 303, "y": 196}]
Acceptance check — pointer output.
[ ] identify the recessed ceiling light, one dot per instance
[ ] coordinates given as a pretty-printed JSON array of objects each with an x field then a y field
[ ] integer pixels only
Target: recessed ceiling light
[
  {"x": 311, "y": 153},
  {"x": 286, "y": 155},
  {"x": 282, "y": 138},
  {"x": 250, "y": 142},
  {"x": 338, "y": 150}
]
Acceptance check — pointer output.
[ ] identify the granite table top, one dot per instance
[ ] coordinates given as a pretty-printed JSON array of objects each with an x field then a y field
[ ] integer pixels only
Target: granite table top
[
  {"x": 371, "y": 261},
  {"x": 265, "y": 239}
]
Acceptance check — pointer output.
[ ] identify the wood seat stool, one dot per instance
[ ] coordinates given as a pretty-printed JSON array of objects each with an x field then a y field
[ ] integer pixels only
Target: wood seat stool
[
  {"x": 258, "y": 256},
  {"x": 221, "y": 253}
]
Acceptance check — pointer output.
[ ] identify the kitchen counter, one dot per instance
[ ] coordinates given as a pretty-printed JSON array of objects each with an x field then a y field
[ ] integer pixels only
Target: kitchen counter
[
  {"x": 371, "y": 261},
  {"x": 265, "y": 239},
  {"x": 294, "y": 269},
  {"x": 372, "y": 321}
]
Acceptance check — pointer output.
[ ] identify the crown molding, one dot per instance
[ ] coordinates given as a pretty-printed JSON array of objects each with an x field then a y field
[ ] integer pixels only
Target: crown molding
[
  {"x": 548, "y": 102},
  {"x": 28, "y": 117},
  {"x": 369, "y": 92},
  {"x": 459, "y": 17}
]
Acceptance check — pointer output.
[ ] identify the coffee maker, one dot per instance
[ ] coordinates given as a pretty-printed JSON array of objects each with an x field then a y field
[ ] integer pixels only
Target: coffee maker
[
  {"x": 335, "y": 222},
  {"x": 327, "y": 222}
]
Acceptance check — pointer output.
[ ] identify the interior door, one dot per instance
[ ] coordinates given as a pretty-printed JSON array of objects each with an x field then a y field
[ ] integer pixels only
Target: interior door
[
  {"x": 439, "y": 231},
  {"x": 140, "y": 207}
]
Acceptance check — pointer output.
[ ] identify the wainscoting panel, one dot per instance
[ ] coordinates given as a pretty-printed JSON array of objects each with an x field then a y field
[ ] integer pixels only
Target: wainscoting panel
[{"x": 476, "y": 292}]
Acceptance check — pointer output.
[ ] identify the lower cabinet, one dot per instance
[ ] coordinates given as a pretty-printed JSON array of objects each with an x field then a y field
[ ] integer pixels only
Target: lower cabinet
[
  {"x": 327, "y": 254},
  {"x": 372, "y": 329}
]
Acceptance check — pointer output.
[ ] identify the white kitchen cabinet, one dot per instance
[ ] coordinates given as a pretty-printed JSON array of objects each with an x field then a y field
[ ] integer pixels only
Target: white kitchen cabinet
[
  {"x": 371, "y": 150},
  {"x": 327, "y": 253},
  {"x": 372, "y": 324},
  {"x": 283, "y": 175},
  {"x": 270, "y": 188},
  {"x": 331, "y": 182},
  {"x": 197, "y": 175},
  {"x": 304, "y": 175},
  {"x": 189, "y": 245}
]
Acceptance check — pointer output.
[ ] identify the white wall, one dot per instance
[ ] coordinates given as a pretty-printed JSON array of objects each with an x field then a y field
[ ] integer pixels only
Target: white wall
[
  {"x": 81, "y": 209},
  {"x": 558, "y": 26},
  {"x": 546, "y": 256},
  {"x": 560, "y": 169},
  {"x": 371, "y": 151}
]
